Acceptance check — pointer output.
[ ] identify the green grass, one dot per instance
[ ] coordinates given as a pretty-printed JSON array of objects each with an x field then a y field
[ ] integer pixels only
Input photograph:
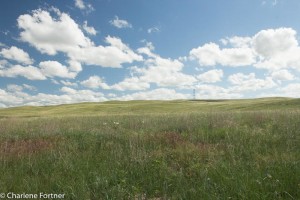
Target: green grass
[
  {"x": 242, "y": 149},
  {"x": 152, "y": 107}
]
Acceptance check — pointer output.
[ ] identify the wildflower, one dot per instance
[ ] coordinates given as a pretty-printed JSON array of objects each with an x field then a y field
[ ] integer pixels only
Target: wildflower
[{"x": 116, "y": 123}]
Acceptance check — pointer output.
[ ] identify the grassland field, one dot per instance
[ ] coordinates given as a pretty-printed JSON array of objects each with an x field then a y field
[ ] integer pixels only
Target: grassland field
[{"x": 202, "y": 149}]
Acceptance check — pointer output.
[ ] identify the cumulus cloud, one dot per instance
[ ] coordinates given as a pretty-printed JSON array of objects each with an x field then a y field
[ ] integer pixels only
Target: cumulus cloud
[
  {"x": 29, "y": 72},
  {"x": 111, "y": 56},
  {"x": 16, "y": 54},
  {"x": 164, "y": 72},
  {"x": 277, "y": 48},
  {"x": 75, "y": 66},
  {"x": 89, "y": 29},
  {"x": 235, "y": 41},
  {"x": 249, "y": 82},
  {"x": 132, "y": 83},
  {"x": 210, "y": 55},
  {"x": 120, "y": 23},
  {"x": 271, "y": 49},
  {"x": 46, "y": 69},
  {"x": 269, "y": 43},
  {"x": 95, "y": 82},
  {"x": 8, "y": 99},
  {"x": 50, "y": 35},
  {"x": 55, "y": 69},
  {"x": 282, "y": 75},
  {"x": 211, "y": 76},
  {"x": 83, "y": 6},
  {"x": 68, "y": 95},
  {"x": 62, "y": 34}
]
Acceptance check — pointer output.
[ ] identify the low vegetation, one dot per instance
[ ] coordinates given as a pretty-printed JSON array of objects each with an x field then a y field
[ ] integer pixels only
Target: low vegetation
[{"x": 243, "y": 149}]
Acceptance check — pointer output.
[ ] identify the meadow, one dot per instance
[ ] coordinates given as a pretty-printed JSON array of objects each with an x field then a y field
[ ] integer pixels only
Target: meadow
[{"x": 209, "y": 149}]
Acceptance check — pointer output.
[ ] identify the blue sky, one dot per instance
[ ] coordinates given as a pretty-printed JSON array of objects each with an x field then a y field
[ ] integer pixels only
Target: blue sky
[{"x": 57, "y": 52}]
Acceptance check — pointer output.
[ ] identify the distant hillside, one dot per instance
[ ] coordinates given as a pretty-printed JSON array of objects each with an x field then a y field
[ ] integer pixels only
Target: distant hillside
[{"x": 152, "y": 107}]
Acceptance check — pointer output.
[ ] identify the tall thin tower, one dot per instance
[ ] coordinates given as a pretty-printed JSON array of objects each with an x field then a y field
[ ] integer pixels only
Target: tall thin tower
[{"x": 194, "y": 94}]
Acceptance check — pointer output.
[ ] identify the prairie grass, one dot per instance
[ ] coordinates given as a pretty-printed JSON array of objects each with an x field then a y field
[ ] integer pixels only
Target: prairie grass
[{"x": 187, "y": 155}]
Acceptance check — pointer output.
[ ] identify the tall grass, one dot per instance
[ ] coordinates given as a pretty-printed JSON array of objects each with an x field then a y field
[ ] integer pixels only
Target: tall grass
[{"x": 209, "y": 155}]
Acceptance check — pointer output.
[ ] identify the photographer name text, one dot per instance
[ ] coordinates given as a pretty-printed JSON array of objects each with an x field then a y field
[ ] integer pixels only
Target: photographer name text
[{"x": 41, "y": 195}]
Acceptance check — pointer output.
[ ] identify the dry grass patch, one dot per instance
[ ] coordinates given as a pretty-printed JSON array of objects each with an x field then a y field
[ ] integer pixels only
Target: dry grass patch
[{"x": 25, "y": 147}]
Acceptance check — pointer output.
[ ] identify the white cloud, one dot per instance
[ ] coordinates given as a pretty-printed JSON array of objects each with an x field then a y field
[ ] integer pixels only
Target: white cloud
[
  {"x": 54, "y": 81},
  {"x": 69, "y": 95},
  {"x": 95, "y": 82},
  {"x": 50, "y": 35},
  {"x": 271, "y": 49},
  {"x": 109, "y": 56},
  {"x": 3, "y": 63},
  {"x": 249, "y": 82},
  {"x": 74, "y": 66},
  {"x": 55, "y": 69},
  {"x": 156, "y": 94},
  {"x": 16, "y": 54},
  {"x": 68, "y": 90},
  {"x": 282, "y": 75},
  {"x": 290, "y": 90},
  {"x": 239, "y": 42},
  {"x": 79, "y": 4},
  {"x": 153, "y": 30},
  {"x": 29, "y": 72},
  {"x": 271, "y": 2},
  {"x": 29, "y": 87},
  {"x": 211, "y": 76},
  {"x": 83, "y": 6},
  {"x": 132, "y": 83},
  {"x": 277, "y": 48},
  {"x": 210, "y": 55},
  {"x": 120, "y": 23},
  {"x": 271, "y": 42},
  {"x": 147, "y": 51},
  {"x": 89, "y": 29},
  {"x": 204, "y": 91},
  {"x": 7, "y": 99},
  {"x": 164, "y": 72},
  {"x": 68, "y": 83},
  {"x": 14, "y": 87}
]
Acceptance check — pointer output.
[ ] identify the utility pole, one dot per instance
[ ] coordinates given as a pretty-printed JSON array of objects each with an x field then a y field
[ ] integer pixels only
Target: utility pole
[{"x": 194, "y": 94}]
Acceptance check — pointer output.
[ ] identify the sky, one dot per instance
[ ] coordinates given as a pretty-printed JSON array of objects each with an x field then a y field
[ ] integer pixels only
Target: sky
[{"x": 59, "y": 52}]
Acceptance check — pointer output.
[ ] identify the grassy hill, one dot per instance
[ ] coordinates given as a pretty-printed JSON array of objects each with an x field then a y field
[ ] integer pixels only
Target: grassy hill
[
  {"x": 203, "y": 149},
  {"x": 154, "y": 107}
]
